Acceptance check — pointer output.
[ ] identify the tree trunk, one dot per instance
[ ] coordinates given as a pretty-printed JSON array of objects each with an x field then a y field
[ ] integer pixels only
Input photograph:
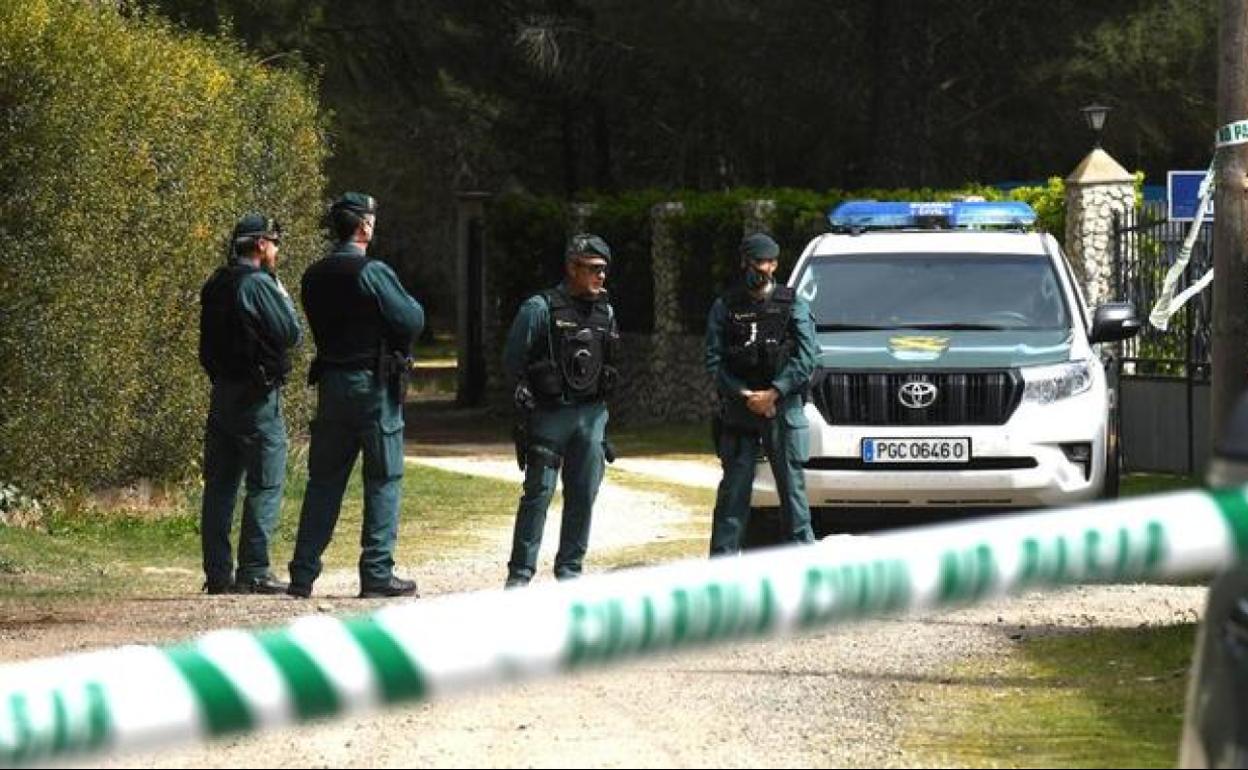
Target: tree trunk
[{"x": 1230, "y": 284}]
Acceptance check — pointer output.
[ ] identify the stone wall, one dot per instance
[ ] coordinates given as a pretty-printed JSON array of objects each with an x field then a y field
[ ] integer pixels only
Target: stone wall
[
  {"x": 663, "y": 374},
  {"x": 664, "y": 380}
]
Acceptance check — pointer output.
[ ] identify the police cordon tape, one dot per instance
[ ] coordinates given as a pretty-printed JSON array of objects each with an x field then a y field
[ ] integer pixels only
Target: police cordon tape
[{"x": 233, "y": 681}]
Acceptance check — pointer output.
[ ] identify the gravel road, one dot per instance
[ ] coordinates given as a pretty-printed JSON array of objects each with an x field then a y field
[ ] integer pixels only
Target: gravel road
[{"x": 836, "y": 699}]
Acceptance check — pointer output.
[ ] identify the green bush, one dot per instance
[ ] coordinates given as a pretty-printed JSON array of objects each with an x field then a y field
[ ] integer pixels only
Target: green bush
[
  {"x": 624, "y": 221},
  {"x": 129, "y": 151},
  {"x": 527, "y": 236},
  {"x": 525, "y": 253},
  {"x": 1049, "y": 201}
]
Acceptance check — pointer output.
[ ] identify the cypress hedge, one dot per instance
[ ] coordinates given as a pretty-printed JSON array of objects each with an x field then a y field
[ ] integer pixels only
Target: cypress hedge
[{"x": 129, "y": 148}]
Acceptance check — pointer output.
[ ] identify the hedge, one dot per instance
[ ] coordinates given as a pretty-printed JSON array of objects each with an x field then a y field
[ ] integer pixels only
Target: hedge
[
  {"x": 130, "y": 148},
  {"x": 527, "y": 235}
]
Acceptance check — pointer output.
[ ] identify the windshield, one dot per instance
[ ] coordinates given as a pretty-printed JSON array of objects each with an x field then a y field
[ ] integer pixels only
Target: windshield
[{"x": 934, "y": 291}]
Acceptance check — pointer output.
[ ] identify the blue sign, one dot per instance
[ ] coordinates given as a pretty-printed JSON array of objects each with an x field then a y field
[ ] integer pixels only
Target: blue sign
[{"x": 1183, "y": 194}]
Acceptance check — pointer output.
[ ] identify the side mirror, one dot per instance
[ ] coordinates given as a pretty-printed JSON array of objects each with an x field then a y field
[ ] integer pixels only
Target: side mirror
[{"x": 1114, "y": 321}]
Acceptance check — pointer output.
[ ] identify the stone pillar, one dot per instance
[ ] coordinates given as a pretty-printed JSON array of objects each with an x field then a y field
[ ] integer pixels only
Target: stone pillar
[
  {"x": 579, "y": 215},
  {"x": 663, "y": 377},
  {"x": 1097, "y": 189},
  {"x": 757, "y": 216},
  {"x": 471, "y": 316},
  {"x": 665, "y": 267}
]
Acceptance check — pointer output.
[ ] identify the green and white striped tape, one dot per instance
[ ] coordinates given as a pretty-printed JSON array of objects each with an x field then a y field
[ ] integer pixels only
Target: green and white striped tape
[{"x": 234, "y": 681}]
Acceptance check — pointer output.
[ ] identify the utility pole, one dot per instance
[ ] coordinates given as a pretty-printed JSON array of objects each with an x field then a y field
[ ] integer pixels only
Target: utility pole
[{"x": 1230, "y": 253}]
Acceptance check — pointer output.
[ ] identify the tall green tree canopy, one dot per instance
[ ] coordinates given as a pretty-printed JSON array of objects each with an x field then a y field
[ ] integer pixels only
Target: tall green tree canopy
[{"x": 570, "y": 96}]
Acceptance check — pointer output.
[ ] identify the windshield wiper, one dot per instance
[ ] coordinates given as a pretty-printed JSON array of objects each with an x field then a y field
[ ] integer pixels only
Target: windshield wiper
[
  {"x": 960, "y": 327},
  {"x": 850, "y": 327}
]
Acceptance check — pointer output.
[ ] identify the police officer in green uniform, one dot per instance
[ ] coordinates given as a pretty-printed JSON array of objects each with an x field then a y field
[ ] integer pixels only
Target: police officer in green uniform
[
  {"x": 761, "y": 352},
  {"x": 246, "y": 330},
  {"x": 560, "y": 353},
  {"x": 364, "y": 324}
]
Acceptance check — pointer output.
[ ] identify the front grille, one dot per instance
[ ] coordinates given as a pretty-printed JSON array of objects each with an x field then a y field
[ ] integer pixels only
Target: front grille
[{"x": 962, "y": 398}]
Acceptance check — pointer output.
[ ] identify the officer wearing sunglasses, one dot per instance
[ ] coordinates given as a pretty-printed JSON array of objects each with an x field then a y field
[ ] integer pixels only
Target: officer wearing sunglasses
[
  {"x": 247, "y": 329},
  {"x": 560, "y": 353}
]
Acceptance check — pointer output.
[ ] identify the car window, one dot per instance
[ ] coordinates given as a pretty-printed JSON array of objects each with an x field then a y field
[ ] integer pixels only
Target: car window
[{"x": 988, "y": 291}]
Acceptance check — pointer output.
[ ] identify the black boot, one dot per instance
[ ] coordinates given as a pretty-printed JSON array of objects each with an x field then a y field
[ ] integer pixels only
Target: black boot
[
  {"x": 395, "y": 586},
  {"x": 218, "y": 587},
  {"x": 265, "y": 584}
]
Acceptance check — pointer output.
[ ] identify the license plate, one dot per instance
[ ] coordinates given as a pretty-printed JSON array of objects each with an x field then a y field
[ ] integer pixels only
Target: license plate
[{"x": 916, "y": 450}]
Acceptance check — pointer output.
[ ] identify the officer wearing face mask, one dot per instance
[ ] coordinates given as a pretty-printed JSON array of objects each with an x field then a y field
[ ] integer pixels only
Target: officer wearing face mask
[
  {"x": 761, "y": 352},
  {"x": 560, "y": 355}
]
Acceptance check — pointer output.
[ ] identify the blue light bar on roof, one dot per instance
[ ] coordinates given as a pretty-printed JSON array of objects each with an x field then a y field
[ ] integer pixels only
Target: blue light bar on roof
[
  {"x": 868, "y": 215},
  {"x": 992, "y": 213}
]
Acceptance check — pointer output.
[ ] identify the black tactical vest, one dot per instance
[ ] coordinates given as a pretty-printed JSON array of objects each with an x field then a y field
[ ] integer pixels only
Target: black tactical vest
[
  {"x": 345, "y": 319},
  {"x": 758, "y": 336},
  {"x": 230, "y": 346},
  {"x": 578, "y": 363}
]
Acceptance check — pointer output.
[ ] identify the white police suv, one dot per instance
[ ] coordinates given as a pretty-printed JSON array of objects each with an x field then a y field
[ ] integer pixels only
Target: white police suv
[{"x": 959, "y": 367}]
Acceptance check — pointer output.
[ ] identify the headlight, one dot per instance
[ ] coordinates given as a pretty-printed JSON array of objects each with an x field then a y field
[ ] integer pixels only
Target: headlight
[{"x": 1046, "y": 384}]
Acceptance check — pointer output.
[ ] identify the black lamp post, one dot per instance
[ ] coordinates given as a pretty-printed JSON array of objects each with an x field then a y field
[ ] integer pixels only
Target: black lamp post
[{"x": 1095, "y": 114}]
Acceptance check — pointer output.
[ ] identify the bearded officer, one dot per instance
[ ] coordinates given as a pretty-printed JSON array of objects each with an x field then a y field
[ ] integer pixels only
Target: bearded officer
[
  {"x": 560, "y": 352},
  {"x": 761, "y": 352},
  {"x": 247, "y": 329}
]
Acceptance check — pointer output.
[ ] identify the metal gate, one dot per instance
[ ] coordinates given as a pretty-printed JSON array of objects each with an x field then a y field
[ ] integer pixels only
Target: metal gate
[{"x": 1163, "y": 377}]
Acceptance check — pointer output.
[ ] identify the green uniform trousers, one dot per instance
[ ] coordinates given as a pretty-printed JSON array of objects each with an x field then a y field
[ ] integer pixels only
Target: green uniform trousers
[
  {"x": 573, "y": 433},
  {"x": 245, "y": 436},
  {"x": 354, "y": 415},
  {"x": 786, "y": 440}
]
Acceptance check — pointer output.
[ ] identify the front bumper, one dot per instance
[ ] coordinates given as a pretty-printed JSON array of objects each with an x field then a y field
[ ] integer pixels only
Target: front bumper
[{"x": 1025, "y": 465}]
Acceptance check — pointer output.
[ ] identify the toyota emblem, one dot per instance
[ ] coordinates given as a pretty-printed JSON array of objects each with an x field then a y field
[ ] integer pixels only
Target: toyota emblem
[{"x": 916, "y": 394}]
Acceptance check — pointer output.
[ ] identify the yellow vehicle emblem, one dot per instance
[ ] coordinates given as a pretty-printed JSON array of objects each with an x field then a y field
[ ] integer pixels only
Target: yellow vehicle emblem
[{"x": 929, "y": 344}]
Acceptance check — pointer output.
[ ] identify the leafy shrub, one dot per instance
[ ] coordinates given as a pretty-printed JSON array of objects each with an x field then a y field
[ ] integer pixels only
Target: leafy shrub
[{"x": 129, "y": 151}]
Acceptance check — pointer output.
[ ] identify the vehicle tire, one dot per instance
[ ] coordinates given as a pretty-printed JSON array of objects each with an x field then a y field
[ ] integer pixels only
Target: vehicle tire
[
  {"x": 826, "y": 521},
  {"x": 762, "y": 529},
  {"x": 1113, "y": 459}
]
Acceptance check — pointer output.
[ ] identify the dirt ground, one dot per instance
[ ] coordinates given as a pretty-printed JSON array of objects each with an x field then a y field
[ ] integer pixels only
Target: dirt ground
[{"x": 835, "y": 699}]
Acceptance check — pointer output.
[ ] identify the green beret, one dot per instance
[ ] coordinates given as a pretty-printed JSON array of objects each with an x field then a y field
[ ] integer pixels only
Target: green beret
[
  {"x": 256, "y": 225},
  {"x": 759, "y": 246},
  {"x": 587, "y": 245},
  {"x": 360, "y": 203}
]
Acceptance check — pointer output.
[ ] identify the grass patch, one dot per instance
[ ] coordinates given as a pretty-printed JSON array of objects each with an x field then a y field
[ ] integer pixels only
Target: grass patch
[
  {"x": 432, "y": 383},
  {"x": 88, "y": 555},
  {"x": 1155, "y": 483},
  {"x": 1101, "y": 698},
  {"x": 666, "y": 439},
  {"x": 441, "y": 348},
  {"x": 692, "y": 545}
]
